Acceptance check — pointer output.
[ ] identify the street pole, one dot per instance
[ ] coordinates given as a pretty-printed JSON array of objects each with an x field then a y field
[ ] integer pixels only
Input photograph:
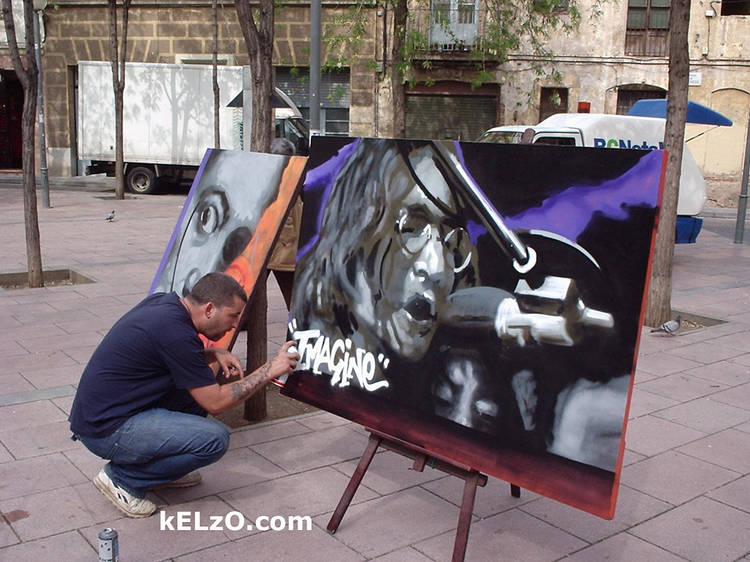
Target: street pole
[
  {"x": 739, "y": 231},
  {"x": 315, "y": 67},
  {"x": 38, "y": 7}
]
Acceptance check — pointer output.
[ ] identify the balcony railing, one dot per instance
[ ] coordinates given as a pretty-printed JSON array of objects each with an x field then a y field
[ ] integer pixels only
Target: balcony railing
[{"x": 449, "y": 28}]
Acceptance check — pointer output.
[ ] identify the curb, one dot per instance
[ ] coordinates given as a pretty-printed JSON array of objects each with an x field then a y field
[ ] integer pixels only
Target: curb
[
  {"x": 722, "y": 213},
  {"x": 95, "y": 183}
]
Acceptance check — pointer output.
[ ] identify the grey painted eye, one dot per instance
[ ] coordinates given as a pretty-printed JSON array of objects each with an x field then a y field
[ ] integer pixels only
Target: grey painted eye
[
  {"x": 209, "y": 220},
  {"x": 211, "y": 212}
]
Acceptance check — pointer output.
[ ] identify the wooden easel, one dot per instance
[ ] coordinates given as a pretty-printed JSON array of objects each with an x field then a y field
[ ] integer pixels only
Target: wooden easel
[{"x": 421, "y": 458}]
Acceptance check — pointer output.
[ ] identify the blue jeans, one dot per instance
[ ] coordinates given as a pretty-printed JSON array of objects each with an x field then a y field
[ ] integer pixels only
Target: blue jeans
[{"x": 158, "y": 446}]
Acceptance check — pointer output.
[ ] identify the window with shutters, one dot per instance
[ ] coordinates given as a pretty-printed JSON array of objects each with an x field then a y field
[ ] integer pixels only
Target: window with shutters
[
  {"x": 334, "y": 96},
  {"x": 647, "y": 32},
  {"x": 453, "y": 24},
  {"x": 628, "y": 95},
  {"x": 551, "y": 101},
  {"x": 735, "y": 7}
]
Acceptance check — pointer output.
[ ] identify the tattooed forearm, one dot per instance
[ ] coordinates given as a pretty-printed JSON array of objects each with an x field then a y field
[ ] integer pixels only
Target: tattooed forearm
[{"x": 251, "y": 384}]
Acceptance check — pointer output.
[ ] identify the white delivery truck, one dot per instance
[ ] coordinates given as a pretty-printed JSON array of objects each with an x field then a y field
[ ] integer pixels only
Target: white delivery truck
[
  {"x": 610, "y": 131},
  {"x": 168, "y": 119}
]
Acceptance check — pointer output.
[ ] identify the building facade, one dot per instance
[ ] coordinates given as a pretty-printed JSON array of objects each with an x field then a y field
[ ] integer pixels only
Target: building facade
[{"x": 613, "y": 60}]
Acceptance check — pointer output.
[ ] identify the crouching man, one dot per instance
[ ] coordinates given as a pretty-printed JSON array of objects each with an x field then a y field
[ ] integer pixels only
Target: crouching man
[{"x": 144, "y": 395}]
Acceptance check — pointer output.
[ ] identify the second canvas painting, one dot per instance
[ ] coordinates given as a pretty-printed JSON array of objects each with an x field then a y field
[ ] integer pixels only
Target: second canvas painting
[
  {"x": 230, "y": 220},
  {"x": 480, "y": 301}
]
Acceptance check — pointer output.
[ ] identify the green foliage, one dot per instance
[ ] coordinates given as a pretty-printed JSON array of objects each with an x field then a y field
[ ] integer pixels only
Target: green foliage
[
  {"x": 337, "y": 93},
  {"x": 482, "y": 77},
  {"x": 504, "y": 27},
  {"x": 302, "y": 76},
  {"x": 343, "y": 34}
]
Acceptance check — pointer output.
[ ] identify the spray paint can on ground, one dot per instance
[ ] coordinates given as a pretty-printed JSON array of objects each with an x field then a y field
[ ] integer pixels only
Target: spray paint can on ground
[{"x": 108, "y": 550}]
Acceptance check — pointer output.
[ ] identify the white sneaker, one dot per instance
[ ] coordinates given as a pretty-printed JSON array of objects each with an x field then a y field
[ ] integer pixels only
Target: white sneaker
[
  {"x": 191, "y": 479},
  {"x": 122, "y": 500}
]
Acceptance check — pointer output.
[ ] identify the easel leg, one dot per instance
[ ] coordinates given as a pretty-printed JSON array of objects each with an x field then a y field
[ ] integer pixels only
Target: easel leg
[
  {"x": 515, "y": 491},
  {"x": 351, "y": 488},
  {"x": 464, "y": 517}
]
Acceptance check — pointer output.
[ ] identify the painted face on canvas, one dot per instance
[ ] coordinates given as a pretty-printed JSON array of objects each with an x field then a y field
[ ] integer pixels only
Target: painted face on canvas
[
  {"x": 411, "y": 257},
  {"x": 218, "y": 225}
]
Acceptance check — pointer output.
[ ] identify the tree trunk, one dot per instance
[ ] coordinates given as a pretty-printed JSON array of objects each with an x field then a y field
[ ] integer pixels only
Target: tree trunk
[
  {"x": 119, "y": 155},
  {"x": 257, "y": 337},
  {"x": 398, "y": 64},
  {"x": 28, "y": 77},
  {"x": 30, "y": 214},
  {"x": 117, "y": 55},
  {"x": 659, "y": 307},
  {"x": 215, "y": 74},
  {"x": 259, "y": 43}
]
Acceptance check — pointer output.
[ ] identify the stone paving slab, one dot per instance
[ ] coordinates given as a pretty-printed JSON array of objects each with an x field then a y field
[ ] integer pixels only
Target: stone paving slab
[
  {"x": 685, "y": 492},
  {"x": 313, "y": 450},
  {"x": 5, "y": 455},
  {"x": 44, "y": 439},
  {"x": 700, "y": 530},
  {"x": 66, "y": 546},
  {"x": 705, "y": 415},
  {"x": 390, "y": 472},
  {"x": 238, "y": 468},
  {"x": 513, "y": 535},
  {"x": 650, "y": 435},
  {"x": 408, "y": 554},
  {"x": 255, "y": 435},
  {"x": 490, "y": 500},
  {"x": 644, "y": 403},
  {"x": 675, "y": 477},
  {"x": 738, "y": 396},
  {"x": 736, "y": 494},
  {"x": 623, "y": 547},
  {"x": 729, "y": 449},
  {"x": 13, "y": 384},
  {"x": 313, "y": 546},
  {"x": 405, "y": 518},
  {"x": 732, "y": 372},
  {"x": 143, "y": 540},
  {"x": 633, "y": 507},
  {"x": 308, "y": 493},
  {"x": 25, "y": 477},
  {"x": 682, "y": 387},
  {"x": 29, "y": 414}
]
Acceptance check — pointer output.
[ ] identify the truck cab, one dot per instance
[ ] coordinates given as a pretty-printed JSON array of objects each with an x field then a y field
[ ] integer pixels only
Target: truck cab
[{"x": 541, "y": 135}]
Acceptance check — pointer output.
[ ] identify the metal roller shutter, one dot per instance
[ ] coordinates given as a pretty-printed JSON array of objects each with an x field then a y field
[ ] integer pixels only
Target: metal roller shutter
[{"x": 449, "y": 117}]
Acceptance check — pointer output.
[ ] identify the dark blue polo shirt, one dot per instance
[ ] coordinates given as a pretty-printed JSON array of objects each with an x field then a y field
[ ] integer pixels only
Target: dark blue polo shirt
[{"x": 150, "y": 352}]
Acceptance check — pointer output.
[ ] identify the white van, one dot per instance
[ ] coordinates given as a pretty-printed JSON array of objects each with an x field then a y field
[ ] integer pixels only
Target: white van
[{"x": 609, "y": 131}]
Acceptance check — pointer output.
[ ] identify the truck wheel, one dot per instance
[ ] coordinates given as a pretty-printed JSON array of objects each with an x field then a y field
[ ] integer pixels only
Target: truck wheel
[{"x": 141, "y": 180}]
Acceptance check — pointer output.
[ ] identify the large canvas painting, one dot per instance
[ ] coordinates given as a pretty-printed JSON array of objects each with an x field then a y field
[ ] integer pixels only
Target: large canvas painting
[
  {"x": 230, "y": 220},
  {"x": 480, "y": 301}
]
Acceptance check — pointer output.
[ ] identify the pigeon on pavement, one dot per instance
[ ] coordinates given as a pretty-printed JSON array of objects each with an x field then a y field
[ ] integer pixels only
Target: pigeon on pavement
[
  {"x": 670, "y": 326},
  {"x": 110, "y": 217}
]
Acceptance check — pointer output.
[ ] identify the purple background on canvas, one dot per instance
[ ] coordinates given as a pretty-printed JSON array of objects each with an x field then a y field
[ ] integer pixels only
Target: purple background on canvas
[
  {"x": 566, "y": 213},
  {"x": 569, "y": 212},
  {"x": 322, "y": 178}
]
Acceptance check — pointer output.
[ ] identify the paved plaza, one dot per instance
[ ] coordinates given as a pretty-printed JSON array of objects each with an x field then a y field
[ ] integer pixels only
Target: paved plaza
[{"x": 685, "y": 486}]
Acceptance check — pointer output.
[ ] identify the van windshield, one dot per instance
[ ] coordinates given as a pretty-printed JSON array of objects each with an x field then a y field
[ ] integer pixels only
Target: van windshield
[{"x": 505, "y": 137}]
